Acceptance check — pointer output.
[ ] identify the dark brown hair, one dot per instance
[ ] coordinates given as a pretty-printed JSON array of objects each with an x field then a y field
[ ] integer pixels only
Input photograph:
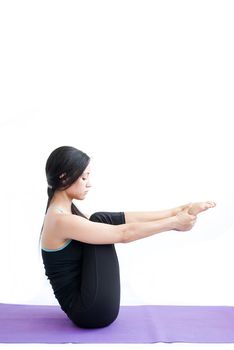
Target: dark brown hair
[{"x": 63, "y": 167}]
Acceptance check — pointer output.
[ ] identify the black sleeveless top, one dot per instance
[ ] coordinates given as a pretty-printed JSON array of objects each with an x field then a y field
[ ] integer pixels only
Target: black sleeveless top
[{"x": 63, "y": 267}]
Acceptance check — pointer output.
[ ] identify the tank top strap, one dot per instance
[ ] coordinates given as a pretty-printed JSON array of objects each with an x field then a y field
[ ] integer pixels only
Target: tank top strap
[{"x": 61, "y": 211}]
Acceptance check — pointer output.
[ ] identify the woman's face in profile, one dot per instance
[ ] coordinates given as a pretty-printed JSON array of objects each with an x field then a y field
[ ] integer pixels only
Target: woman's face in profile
[{"x": 81, "y": 186}]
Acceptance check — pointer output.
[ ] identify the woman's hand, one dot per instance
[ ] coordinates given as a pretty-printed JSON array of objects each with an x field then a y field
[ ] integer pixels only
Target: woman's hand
[
  {"x": 184, "y": 221},
  {"x": 198, "y": 207}
]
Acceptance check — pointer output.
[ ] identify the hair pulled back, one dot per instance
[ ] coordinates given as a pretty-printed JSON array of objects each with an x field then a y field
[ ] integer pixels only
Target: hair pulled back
[{"x": 63, "y": 167}]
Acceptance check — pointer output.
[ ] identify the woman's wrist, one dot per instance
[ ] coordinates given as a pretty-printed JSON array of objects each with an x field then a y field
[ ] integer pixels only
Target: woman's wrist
[{"x": 172, "y": 222}]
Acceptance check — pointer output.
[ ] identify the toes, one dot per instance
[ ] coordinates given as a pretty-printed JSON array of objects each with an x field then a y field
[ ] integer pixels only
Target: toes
[{"x": 211, "y": 204}]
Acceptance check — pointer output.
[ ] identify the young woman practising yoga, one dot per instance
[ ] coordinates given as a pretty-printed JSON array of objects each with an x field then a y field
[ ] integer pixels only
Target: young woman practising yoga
[{"x": 78, "y": 251}]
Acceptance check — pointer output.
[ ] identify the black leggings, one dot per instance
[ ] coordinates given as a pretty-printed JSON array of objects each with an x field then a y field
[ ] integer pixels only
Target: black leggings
[{"x": 98, "y": 299}]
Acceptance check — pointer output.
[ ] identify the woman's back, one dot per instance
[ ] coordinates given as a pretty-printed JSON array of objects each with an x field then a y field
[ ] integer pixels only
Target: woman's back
[
  {"x": 61, "y": 259},
  {"x": 63, "y": 268}
]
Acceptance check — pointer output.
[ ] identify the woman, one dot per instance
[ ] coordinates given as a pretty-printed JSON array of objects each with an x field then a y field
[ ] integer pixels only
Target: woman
[{"x": 78, "y": 252}]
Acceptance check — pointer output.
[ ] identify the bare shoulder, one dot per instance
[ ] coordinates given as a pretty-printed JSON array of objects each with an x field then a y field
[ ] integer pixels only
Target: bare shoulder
[
  {"x": 51, "y": 237},
  {"x": 63, "y": 223}
]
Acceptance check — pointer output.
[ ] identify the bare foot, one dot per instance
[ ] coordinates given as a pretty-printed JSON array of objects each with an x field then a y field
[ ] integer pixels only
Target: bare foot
[{"x": 196, "y": 208}]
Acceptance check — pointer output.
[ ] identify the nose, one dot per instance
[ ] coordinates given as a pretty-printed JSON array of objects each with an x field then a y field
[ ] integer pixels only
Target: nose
[{"x": 88, "y": 184}]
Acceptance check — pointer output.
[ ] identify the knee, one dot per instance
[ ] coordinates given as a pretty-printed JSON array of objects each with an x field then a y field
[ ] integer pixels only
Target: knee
[{"x": 97, "y": 217}]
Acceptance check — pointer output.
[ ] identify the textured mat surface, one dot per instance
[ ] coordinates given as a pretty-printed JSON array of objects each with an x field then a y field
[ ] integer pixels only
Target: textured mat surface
[{"x": 135, "y": 324}]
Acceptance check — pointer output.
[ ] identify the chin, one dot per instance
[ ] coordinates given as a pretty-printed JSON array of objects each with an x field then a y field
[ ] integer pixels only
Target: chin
[
  {"x": 82, "y": 198},
  {"x": 78, "y": 198}
]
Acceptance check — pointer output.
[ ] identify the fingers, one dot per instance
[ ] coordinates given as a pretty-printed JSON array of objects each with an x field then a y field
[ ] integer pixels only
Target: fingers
[
  {"x": 192, "y": 216},
  {"x": 193, "y": 219},
  {"x": 186, "y": 209}
]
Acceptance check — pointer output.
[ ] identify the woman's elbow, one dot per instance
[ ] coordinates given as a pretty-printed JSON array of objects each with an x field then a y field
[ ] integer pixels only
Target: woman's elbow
[{"x": 127, "y": 233}]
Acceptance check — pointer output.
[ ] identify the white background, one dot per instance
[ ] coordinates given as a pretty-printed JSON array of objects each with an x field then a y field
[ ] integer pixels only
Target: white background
[{"x": 145, "y": 88}]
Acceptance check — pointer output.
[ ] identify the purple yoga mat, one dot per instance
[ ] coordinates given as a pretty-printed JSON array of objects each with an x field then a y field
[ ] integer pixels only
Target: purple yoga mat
[{"x": 134, "y": 324}]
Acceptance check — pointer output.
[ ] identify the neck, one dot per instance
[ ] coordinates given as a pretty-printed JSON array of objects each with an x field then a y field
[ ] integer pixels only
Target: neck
[{"x": 62, "y": 201}]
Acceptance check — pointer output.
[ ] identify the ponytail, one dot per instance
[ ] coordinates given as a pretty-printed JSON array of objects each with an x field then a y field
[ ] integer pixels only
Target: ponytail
[{"x": 50, "y": 192}]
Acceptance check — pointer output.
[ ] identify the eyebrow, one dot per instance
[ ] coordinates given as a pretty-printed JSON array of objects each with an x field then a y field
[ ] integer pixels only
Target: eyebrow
[{"x": 86, "y": 173}]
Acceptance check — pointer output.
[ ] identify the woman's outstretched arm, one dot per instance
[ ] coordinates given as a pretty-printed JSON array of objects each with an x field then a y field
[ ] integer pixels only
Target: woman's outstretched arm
[{"x": 144, "y": 216}]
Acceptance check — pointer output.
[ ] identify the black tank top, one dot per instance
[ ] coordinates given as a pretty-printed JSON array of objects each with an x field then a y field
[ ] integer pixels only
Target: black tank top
[{"x": 63, "y": 267}]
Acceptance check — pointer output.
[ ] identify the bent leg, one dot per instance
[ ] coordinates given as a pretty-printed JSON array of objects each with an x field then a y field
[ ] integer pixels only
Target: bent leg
[{"x": 98, "y": 300}]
